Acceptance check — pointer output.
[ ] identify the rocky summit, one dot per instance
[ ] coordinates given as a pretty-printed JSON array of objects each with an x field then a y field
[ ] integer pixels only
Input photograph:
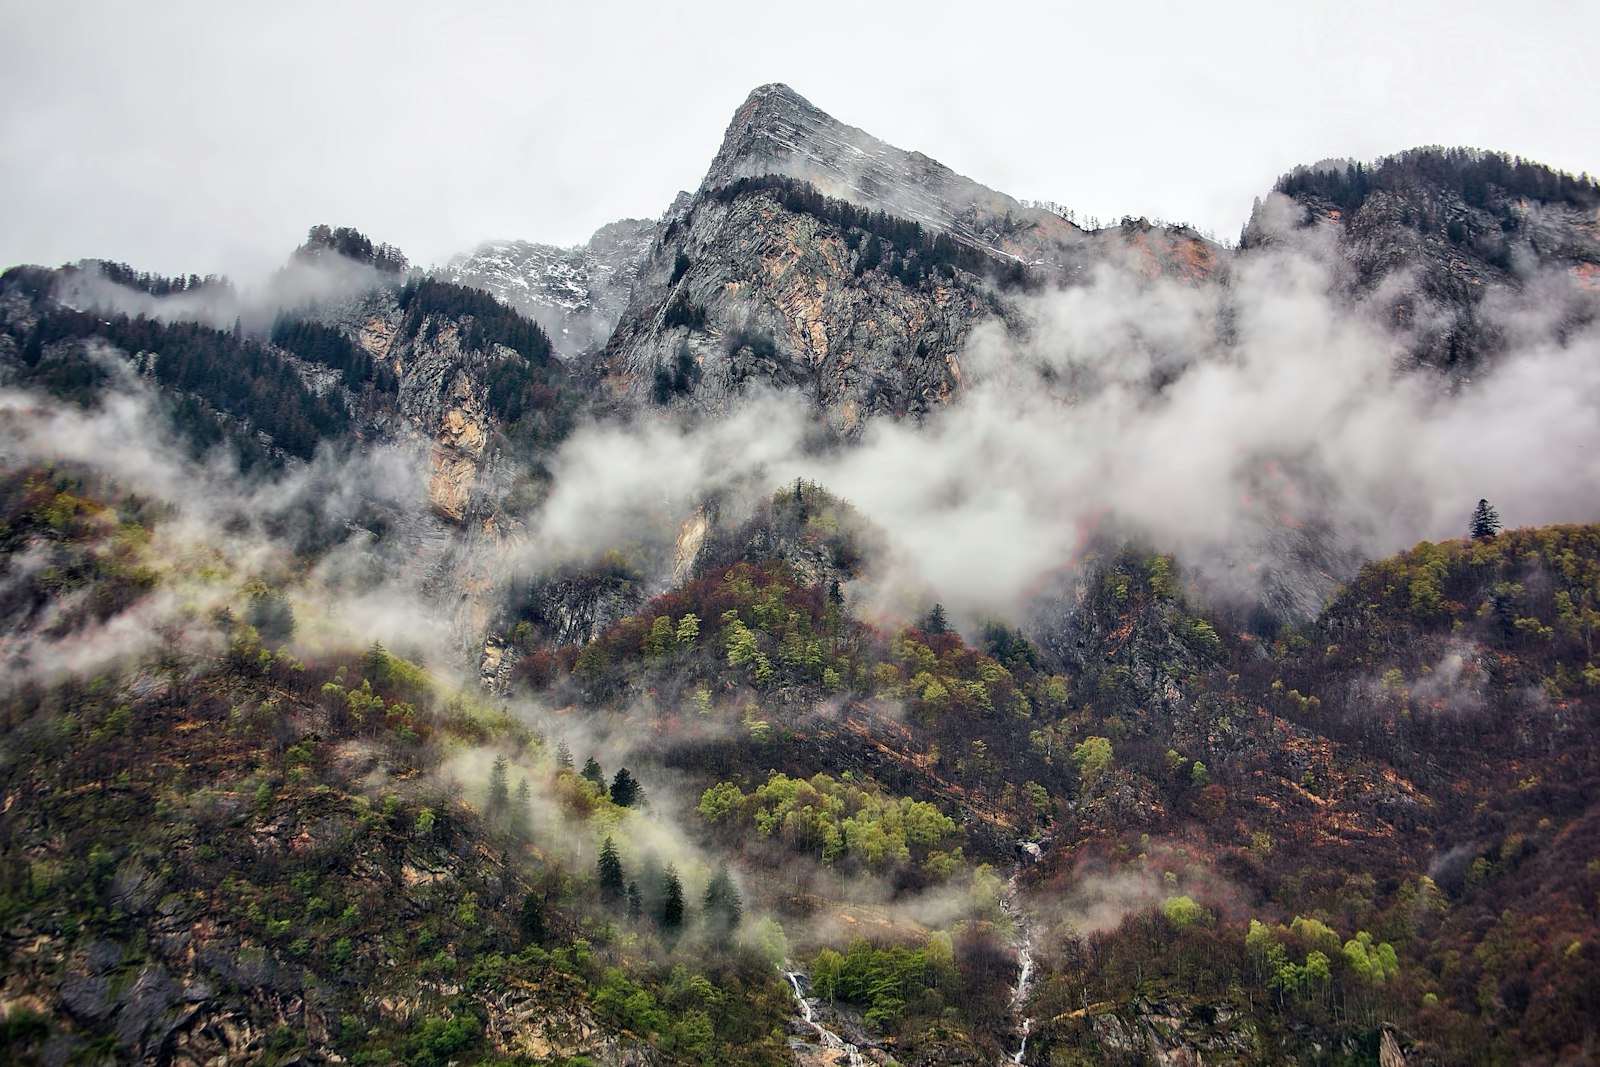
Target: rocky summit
[
  {"x": 816, "y": 257},
  {"x": 857, "y": 617}
]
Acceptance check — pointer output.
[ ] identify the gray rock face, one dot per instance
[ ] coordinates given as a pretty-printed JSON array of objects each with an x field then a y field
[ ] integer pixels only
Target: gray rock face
[
  {"x": 779, "y": 302},
  {"x": 776, "y": 131},
  {"x": 577, "y": 294},
  {"x": 746, "y": 286}
]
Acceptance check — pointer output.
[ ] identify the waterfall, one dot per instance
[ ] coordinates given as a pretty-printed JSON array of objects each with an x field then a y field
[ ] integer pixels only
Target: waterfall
[
  {"x": 1019, "y": 995},
  {"x": 830, "y": 1040}
]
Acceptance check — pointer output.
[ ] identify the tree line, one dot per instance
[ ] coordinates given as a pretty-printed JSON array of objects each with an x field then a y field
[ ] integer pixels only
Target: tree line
[
  {"x": 352, "y": 244},
  {"x": 912, "y": 254},
  {"x": 1472, "y": 174},
  {"x": 219, "y": 380}
]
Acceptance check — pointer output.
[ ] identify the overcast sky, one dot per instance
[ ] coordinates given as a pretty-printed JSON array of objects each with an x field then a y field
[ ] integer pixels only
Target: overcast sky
[{"x": 201, "y": 137}]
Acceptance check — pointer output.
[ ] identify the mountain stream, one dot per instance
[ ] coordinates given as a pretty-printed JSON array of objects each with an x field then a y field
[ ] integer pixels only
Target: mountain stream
[
  {"x": 1028, "y": 853},
  {"x": 831, "y": 1042},
  {"x": 834, "y": 1044}
]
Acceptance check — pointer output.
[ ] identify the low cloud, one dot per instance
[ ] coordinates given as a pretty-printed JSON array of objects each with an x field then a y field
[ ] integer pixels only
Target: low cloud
[{"x": 1262, "y": 426}]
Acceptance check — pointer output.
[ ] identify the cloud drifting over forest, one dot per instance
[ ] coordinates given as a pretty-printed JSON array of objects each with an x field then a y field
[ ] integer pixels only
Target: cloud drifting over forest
[{"x": 1260, "y": 426}]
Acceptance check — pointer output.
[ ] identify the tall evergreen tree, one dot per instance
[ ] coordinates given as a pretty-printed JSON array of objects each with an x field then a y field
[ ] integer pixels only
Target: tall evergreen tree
[
  {"x": 723, "y": 907},
  {"x": 591, "y": 770},
  {"x": 671, "y": 914},
  {"x": 624, "y": 789},
  {"x": 521, "y": 828},
  {"x": 608, "y": 869},
  {"x": 530, "y": 924},
  {"x": 499, "y": 790},
  {"x": 1485, "y": 521}
]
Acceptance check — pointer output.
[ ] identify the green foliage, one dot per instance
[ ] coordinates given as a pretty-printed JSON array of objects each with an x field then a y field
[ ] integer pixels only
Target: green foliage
[
  {"x": 1203, "y": 638},
  {"x": 438, "y": 1040},
  {"x": 1470, "y": 173},
  {"x": 687, "y": 634},
  {"x": 722, "y": 904},
  {"x": 889, "y": 243},
  {"x": 839, "y": 822},
  {"x": 486, "y": 320},
  {"x": 322, "y": 344},
  {"x": 88, "y": 542},
  {"x": 1372, "y": 963},
  {"x": 1092, "y": 756},
  {"x": 885, "y": 982},
  {"x": 352, "y": 244},
  {"x": 401, "y": 678},
  {"x": 1485, "y": 522},
  {"x": 683, "y": 374},
  {"x": 670, "y": 915},
  {"x": 1183, "y": 911},
  {"x": 21, "y": 1027},
  {"x": 625, "y": 791},
  {"x": 499, "y": 789}
]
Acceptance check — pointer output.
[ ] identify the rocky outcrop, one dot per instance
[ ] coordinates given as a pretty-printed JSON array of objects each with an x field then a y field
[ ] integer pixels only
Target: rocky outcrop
[
  {"x": 577, "y": 294},
  {"x": 751, "y": 292},
  {"x": 1173, "y": 1035},
  {"x": 523, "y": 1025},
  {"x": 575, "y": 608}
]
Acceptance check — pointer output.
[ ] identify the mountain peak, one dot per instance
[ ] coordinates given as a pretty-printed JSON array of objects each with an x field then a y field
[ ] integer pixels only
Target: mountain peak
[
  {"x": 774, "y": 91},
  {"x": 770, "y": 133},
  {"x": 778, "y": 131}
]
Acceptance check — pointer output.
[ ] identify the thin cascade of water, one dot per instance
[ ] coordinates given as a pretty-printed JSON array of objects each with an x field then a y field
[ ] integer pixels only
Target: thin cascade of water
[
  {"x": 830, "y": 1040},
  {"x": 1019, "y": 995}
]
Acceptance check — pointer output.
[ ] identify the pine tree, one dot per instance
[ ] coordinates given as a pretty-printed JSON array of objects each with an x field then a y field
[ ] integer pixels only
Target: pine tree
[
  {"x": 723, "y": 907},
  {"x": 624, "y": 789},
  {"x": 635, "y": 902},
  {"x": 521, "y": 828},
  {"x": 499, "y": 791},
  {"x": 1485, "y": 521},
  {"x": 671, "y": 914},
  {"x": 608, "y": 869},
  {"x": 563, "y": 754},
  {"x": 936, "y": 623},
  {"x": 591, "y": 770}
]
